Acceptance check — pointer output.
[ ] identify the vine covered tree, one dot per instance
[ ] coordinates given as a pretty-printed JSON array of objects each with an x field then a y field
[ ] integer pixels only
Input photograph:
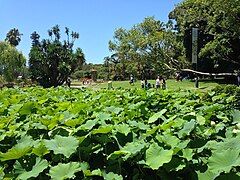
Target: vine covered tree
[
  {"x": 52, "y": 61},
  {"x": 13, "y": 37}
]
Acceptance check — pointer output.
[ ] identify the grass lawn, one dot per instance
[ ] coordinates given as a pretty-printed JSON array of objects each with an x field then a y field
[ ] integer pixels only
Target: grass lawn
[{"x": 171, "y": 84}]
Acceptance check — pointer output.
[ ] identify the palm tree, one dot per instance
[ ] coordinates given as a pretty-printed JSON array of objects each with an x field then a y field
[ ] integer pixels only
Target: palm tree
[
  {"x": 67, "y": 33},
  {"x": 35, "y": 38},
  {"x": 13, "y": 37},
  {"x": 50, "y": 33},
  {"x": 56, "y": 32}
]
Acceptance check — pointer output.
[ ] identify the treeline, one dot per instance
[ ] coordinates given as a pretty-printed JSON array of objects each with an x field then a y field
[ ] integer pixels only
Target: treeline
[
  {"x": 146, "y": 49},
  {"x": 154, "y": 47},
  {"x": 51, "y": 60}
]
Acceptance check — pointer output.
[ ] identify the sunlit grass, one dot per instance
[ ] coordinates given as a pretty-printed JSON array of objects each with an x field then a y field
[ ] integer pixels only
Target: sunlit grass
[{"x": 171, "y": 85}]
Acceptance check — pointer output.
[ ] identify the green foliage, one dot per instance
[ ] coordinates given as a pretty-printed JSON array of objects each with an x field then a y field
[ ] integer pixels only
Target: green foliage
[
  {"x": 112, "y": 176},
  {"x": 34, "y": 172},
  {"x": 223, "y": 161},
  {"x": 19, "y": 150},
  {"x": 13, "y": 37},
  {"x": 148, "y": 45},
  {"x": 218, "y": 23},
  {"x": 12, "y": 62},
  {"x": 156, "y": 156},
  {"x": 58, "y": 145},
  {"x": 62, "y": 133},
  {"x": 51, "y": 61},
  {"x": 64, "y": 171},
  {"x": 157, "y": 115}
]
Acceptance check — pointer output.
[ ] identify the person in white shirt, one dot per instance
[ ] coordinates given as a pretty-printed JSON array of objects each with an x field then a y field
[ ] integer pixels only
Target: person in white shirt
[
  {"x": 142, "y": 83},
  {"x": 158, "y": 82}
]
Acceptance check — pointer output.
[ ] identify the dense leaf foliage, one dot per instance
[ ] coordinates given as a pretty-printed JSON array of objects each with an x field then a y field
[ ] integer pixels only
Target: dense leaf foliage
[
  {"x": 219, "y": 35},
  {"x": 148, "y": 46},
  {"x": 12, "y": 62},
  {"x": 51, "y": 61},
  {"x": 13, "y": 37},
  {"x": 61, "y": 133}
]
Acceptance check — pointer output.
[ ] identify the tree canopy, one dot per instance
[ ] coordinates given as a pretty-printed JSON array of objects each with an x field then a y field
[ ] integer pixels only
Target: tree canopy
[
  {"x": 51, "y": 61},
  {"x": 219, "y": 33},
  {"x": 13, "y": 37},
  {"x": 12, "y": 62},
  {"x": 148, "y": 46}
]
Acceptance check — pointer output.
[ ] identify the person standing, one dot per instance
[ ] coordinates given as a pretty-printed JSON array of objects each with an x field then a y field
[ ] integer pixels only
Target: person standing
[
  {"x": 158, "y": 82},
  {"x": 164, "y": 86},
  {"x": 238, "y": 78},
  {"x": 146, "y": 84},
  {"x": 196, "y": 81},
  {"x": 142, "y": 84},
  {"x": 131, "y": 79},
  {"x": 68, "y": 82}
]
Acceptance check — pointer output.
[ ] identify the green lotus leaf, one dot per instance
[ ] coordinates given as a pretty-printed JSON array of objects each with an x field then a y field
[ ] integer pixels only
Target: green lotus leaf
[
  {"x": 129, "y": 150},
  {"x": 96, "y": 172},
  {"x": 123, "y": 128},
  {"x": 14, "y": 108},
  {"x": 156, "y": 116},
  {"x": 227, "y": 144},
  {"x": 187, "y": 129},
  {"x": 222, "y": 116},
  {"x": 208, "y": 175},
  {"x": 211, "y": 93},
  {"x": 114, "y": 109},
  {"x": 139, "y": 125},
  {"x": 89, "y": 124},
  {"x": 84, "y": 166},
  {"x": 104, "y": 116},
  {"x": 23, "y": 147},
  {"x": 224, "y": 160},
  {"x": 27, "y": 108},
  {"x": 143, "y": 126},
  {"x": 156, "y": 156},
  {"x": 229, "y": 176},
  {"x": 103, "y": 130},
  {"x": 236, "y": 116},
  {"x": 39, "y": 166},
  {"x": 152, "y": 130},
  {"x": 168, "y": 139},
  {"x": 175, "y": 164},
  {"x": 2, "y": 172},
  {"x": 112, "y": 176},
  {"x": 62, "y": 145},
  {"x": 67, "y": 116},
  {"x": 182, "y": 145},
  {"x": 188, "y": 154},
  {"x": 64, "y": 171},
  {"x": 201, "y": 120},
  {"x": 40, "y": 149}
]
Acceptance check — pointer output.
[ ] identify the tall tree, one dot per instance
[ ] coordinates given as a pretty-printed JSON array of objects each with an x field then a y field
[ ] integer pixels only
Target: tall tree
[
  {"x": 219, "y": 33},
  {"x": 12, "y": 62},
  {"x": 149, "y": 46},
  {"x": 51, "y": 61},
  {"x": 13, "y": 37}
]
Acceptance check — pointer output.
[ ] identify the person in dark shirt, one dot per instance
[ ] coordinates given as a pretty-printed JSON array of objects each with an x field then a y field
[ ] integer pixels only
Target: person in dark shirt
[
  {"x": 164, "y": 86},
  {"x": 68, "y": 82},
  {"x": 238, "y": 78}
]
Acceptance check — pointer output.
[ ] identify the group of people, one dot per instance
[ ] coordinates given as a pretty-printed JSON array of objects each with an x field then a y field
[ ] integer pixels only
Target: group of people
[{"x": 160, "y": 83}]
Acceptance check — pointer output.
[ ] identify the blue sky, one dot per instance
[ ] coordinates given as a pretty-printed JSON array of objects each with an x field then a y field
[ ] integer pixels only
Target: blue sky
[{"x": 95, "y": 20}]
